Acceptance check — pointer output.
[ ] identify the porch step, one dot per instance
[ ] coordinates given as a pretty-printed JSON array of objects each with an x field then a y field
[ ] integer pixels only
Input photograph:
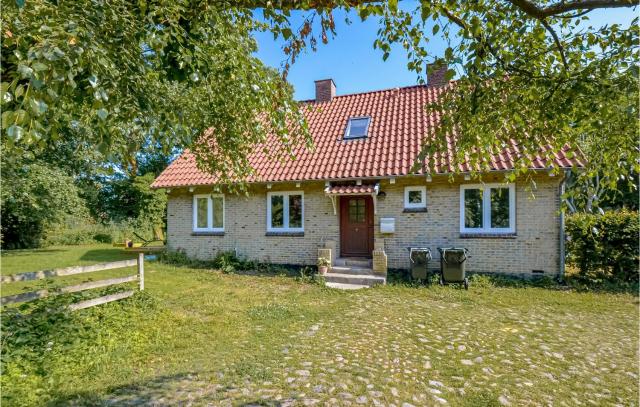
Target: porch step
[
  {"x": 351, "y": 270},
  {"x": 343, "y": 286},
  {"x": 368, "y": 279},
  {"x": 352, "y": 262}
]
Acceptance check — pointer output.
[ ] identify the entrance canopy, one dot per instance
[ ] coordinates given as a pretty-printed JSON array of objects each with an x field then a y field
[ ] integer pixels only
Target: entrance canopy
[{"x": 333, "y": 191}]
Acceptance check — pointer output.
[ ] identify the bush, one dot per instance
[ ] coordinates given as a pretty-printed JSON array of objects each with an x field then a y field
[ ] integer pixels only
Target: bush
[
  {"x": 228, "y": 262},
  {"x": 604, "y": 246},
  {"x": 33, "y": 199},
  {"x": 84, "y": 230},
  {"x": 43, "y": 343}
]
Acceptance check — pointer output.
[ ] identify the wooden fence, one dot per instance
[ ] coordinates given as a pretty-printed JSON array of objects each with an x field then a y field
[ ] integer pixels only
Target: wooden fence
[{"x": 69, "y": 271}]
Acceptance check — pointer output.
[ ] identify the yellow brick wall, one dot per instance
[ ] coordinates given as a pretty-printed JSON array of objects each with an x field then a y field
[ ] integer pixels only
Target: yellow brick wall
[
  {"x": 536, "y": 245},
  {"x": 246, "y": 226}
]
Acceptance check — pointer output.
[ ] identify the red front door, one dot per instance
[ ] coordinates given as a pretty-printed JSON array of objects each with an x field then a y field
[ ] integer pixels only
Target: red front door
[{"x": 356, "y": 226}]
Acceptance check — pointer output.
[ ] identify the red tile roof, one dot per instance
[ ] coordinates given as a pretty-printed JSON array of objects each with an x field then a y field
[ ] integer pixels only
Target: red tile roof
[
  {"x": 399, "y": 123},
  {"x": 350, "y": 189}
]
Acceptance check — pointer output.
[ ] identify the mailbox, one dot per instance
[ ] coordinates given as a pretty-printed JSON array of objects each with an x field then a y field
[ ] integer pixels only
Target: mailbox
[{"x": 387, "y": 225}]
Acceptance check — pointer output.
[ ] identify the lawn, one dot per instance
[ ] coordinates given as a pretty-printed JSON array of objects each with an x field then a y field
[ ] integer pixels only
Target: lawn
[
  {"x": 21, "y": 261},
  {"x": 203, "y": 337}
]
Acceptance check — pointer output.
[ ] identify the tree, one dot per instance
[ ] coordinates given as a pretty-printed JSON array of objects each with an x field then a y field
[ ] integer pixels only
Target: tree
[
  {"x": 531, "y": 71},
  {"x": 32, "y": 199},
  {"x": 116, "y": 74}
]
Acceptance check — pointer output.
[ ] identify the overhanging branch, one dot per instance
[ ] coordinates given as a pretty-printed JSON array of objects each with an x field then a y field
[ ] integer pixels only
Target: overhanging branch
[{"x": 540, "y": 13}]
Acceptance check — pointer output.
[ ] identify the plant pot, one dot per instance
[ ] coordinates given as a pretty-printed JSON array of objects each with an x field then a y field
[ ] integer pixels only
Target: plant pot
[{"x": 323, "y": 270}]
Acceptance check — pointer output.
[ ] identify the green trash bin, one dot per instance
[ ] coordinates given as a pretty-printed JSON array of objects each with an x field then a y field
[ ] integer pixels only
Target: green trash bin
[
  {"x": 419, "y": 258},
  {"x": 452, "y": 265}
]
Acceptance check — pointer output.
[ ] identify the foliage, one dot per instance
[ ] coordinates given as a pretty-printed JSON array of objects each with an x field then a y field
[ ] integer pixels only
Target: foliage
[
  {"x": 167, "y": 72},
  {"x": 229, "y": 263},
  {"x": 533, "y": 72},
  {"x": 132, "y": 201},
  {"x": 85, "y": 230},
  {"x": 604, "y": 247},
  {"x": 34, "y": 198},
  {"x": 323, "y": 262},
  {"x": 42, "y": 339},
  {"x": 588, "y": 193},
  {"x": 172, "y": 70}
]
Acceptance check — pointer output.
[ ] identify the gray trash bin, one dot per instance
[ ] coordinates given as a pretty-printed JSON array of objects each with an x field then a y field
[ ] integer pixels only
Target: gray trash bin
[
  {"x": 419, "y": 258},
  {"x": 452, "y": 265}
]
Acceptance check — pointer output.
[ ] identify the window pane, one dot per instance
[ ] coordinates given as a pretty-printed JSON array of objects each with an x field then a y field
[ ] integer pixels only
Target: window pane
[
  {"x": 499, "y": 207},
  {"x": 218, "y": 212},
  {"x": 277, "y": 211},
  {"x": 472, "y": 208},
  {"x": 358, "y": 127},
  {"x": 361, "y": 210},
  {"x": 201, "y": 212},
  {"x": 295, "y": 211},
  {"x": 415, "y": 197},
  {"x": 357, "y": 210}
]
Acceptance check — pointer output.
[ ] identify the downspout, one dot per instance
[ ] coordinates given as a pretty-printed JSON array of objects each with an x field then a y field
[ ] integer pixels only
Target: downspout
[{"x": 562, "y": 236}]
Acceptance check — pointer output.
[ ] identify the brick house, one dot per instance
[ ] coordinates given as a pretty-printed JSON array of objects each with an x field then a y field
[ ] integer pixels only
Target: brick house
[{"x": 356, "y": 200}]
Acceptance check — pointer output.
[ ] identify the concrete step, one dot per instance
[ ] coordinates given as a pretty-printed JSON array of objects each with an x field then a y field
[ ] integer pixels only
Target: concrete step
[
  {"x": 342, "y": 286},
  {"x": 351, "y": 270},
  {"x": 352, "y": 262},
  {"x": 359, "y": 279}
]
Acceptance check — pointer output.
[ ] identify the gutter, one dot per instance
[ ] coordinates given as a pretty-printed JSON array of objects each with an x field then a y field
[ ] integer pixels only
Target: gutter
[
  {"x": 562, "y": 234},
  {"x": 348, "y": 179}
]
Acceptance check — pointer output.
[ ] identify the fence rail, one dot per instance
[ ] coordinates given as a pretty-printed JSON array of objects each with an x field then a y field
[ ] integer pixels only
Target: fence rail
[{"x": 68, "y": 271}]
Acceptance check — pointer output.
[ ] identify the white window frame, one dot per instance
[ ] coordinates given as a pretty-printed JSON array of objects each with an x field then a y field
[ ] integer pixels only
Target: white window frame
[
  {"x": 209, "y": 227},
  {"x": 285, "y": 209},
  {"x": 423, "y": 193},
  {"x": 486, "y": 209},
  {"x": 347, "y": 133}
]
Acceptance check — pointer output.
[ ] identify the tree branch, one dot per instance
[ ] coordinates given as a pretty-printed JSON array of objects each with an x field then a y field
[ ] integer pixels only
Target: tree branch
[
  {"x": 541, "y": 13},
  {"x": 557, "y": 41},
  {"x": 485, "y": 44}
]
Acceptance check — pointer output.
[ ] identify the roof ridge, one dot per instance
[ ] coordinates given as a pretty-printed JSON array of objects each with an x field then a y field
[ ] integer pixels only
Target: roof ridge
[{"x": 367, "y": 92}]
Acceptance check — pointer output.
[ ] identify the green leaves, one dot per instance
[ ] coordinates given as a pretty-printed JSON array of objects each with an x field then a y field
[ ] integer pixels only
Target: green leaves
[
  {"x": 536, "y": 83},
  {"x": 113, "y": 76}
]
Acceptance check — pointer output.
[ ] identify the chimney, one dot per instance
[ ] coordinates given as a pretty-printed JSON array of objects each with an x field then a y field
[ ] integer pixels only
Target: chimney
[
  {"x": 325, "y": 90},
  {"x": 437, "y": 73}
]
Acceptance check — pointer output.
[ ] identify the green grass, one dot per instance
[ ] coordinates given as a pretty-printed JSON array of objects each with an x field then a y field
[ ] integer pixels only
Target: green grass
[
  {"x": 21, "y": 261},
  {"x": 224, "y": 339}
]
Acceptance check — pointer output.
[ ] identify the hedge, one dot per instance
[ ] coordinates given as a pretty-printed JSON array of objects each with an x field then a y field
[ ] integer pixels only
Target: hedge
[{"x": 604, "y": 245}]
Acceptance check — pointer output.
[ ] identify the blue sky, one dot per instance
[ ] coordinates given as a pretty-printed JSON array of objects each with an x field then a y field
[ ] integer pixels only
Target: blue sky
[{"x": 355, "y": 66}]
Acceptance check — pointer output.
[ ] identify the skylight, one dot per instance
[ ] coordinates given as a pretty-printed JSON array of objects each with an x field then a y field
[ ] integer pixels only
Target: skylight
[{"x": 357, "y": 127}]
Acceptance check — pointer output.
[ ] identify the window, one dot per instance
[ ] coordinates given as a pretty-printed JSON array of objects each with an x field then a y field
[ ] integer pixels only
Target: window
[
  {"x": 285, "y": 212},
  {"x": 208, "y": 213},
  {"x": 488, "y": 208},
  {"x": 357, "y": 208},
  {"x": 357, "y": 127},
  {"x": 415, "y": 197}
]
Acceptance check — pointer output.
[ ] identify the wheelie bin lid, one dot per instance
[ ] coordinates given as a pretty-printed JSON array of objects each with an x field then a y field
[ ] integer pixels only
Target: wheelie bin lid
[{"x": 419, "y": 250}]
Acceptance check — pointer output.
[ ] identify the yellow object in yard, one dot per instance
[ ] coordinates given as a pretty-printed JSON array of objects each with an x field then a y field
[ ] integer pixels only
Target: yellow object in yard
[{"x": 127, "y": 244}]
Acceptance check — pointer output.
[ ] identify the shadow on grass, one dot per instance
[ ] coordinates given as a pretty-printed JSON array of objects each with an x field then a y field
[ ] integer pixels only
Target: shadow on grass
[
  {"x": 168, "y": 390},
  {"x": 106, "y": 255},
  {"x": 29, "y": 252}
]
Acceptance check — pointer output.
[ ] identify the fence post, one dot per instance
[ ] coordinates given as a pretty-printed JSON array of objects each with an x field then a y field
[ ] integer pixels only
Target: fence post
[{"x": 141, "y": 270}]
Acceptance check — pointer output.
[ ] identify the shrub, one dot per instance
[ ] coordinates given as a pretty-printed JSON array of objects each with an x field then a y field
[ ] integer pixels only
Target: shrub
[
  {"x": 604, "y": 246},
  {"x": 84, "y": 230},
  {"x": 34, "y": 198},
  {"x": 43, "y": 343}
]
